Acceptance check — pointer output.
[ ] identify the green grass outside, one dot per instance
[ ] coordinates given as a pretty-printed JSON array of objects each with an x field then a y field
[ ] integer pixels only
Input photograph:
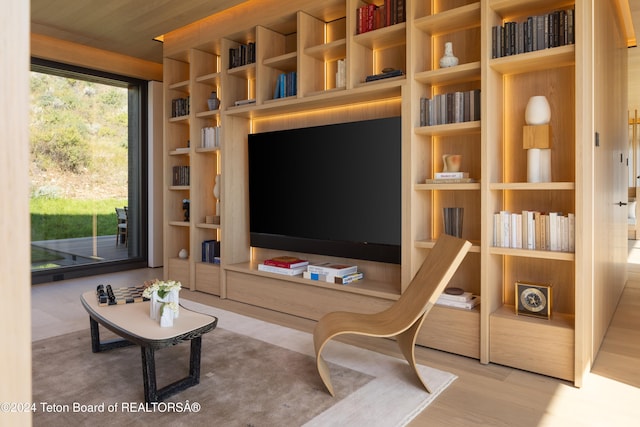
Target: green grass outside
[{"x": 68, "y": 218}]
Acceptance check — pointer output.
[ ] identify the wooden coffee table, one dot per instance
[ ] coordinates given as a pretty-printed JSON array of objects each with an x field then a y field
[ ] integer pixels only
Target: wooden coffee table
[{"x": 133, "y": 323}]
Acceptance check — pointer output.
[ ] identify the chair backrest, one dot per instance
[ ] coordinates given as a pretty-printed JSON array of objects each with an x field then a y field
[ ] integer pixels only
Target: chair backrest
[
  {"x": 431, "y": 279},
  {"x": 121, "y": 214}
]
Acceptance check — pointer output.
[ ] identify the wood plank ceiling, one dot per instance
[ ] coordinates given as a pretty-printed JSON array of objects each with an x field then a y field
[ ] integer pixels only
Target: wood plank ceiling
[{"x": 122, "y": 26}]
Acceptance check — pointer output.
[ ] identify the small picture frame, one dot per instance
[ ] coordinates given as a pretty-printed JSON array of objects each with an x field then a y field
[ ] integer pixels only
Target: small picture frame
[{"x": 533, "y": 299}]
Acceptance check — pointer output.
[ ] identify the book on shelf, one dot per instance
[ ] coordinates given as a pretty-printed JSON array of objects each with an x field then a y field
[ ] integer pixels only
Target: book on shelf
[
  {"x": 349, "y": 278},
  {"x": 210, "y": 137},
  {"x": 451, "y": 175},
  {"x": 338, "y": 280},
  {"x": 242, "y": 55},
  {"x": 332, "y": 269},
  {"x": 463, "y": 297},
  {"x": 448, "y": 108},
  {"x": 372, "y": 17},
  {"x": 341, "y": 73},
  {"x": 286, "y": 262},
  {"x": 180, "y": 107},
  {"x": 244, "y": 102},
  {"x": 449, "y": 180},
  {"x": 282, "y": 270},
  {"x": 384, "y": 75},
  {"x": 534, "y": 33},
  {"x": 468, "y": 305},
  {"x": 180, "y": 175},
  {"x": 286, "y": 85},
  {"x": 534, "y": 230},
  {"x": 211, "y": 251}
]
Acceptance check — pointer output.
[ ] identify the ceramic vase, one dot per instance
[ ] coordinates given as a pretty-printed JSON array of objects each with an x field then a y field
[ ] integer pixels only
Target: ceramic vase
[
  {"x": 156, "y": 302},
  {"x": 213, "y": 102},
  {"x": 448, "y": 60},
  {"x": 538, "y": 111}
]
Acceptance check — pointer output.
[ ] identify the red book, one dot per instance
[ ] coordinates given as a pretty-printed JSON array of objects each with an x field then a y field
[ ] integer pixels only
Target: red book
[{"x": 286, "y": 262}]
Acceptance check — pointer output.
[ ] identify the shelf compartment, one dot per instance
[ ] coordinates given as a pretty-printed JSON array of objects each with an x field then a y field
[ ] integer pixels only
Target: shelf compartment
[
  {"x": 525, "y": 186},
  {"x": 447, "y": 187},
  {"x": 179, "y": 152},
  {"x": 329, "y": 51},
  {"x": 444, "y": 76},
  {"x": 457, "y": 19},
  {"x": 539, "y": 60},
  {"x": 429, "y": 244},
  {"x": 304, "y": 298},
  {"x": 179, "y": 223},
  {"x": 182, "y": 85},
  {"x": 247, "y": 71},
  {"x": 208, "y": 226},
  {"x": 365, "y": 286},
  {"x": 179, "y": 271},
  {"x": 326, "y": 99},
  {"x": 179, "y": 119},
  {"x": 211, "y": 79},
  {"x": 207, "y": 114},
  {"x": 383, "y": 38},
  {"x": 286, "y": 62},
  {"x": 464, "y": 128},
  {"x": 532, "y": 253},
  {"x": 453, "y": 330},
  {"x": 208, "y": 278},
  {"x": 207, "y": 149},
  {"x": 537, "y": 345},
  {"x": 509, "y": 8}
]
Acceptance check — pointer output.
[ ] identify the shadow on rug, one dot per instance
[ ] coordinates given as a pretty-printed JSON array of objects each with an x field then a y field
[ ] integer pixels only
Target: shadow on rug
[{"x": 243, "y": 382}]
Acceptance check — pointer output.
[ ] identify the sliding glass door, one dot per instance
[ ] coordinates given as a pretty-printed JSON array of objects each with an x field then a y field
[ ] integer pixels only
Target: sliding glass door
[{"x": 88, "y": 195}]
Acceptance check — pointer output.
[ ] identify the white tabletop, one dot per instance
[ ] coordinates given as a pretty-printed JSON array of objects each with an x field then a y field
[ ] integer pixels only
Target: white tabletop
[{"x": 134, "y": 319}]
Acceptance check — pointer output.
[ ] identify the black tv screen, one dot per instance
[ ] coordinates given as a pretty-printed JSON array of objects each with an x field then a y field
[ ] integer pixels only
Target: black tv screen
[{"x": 332, "y": 190}]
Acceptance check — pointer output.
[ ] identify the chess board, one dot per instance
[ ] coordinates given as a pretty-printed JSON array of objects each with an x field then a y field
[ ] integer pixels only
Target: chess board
[{"x": 109, "y": 296}]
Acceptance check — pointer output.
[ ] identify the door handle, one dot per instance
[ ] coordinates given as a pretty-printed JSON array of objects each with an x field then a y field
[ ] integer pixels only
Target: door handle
[{"x": 622, "y": 204}]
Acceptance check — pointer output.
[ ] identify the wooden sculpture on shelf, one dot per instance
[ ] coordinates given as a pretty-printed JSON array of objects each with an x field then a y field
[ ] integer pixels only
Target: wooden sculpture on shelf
[{"x": 405, "y": 317}]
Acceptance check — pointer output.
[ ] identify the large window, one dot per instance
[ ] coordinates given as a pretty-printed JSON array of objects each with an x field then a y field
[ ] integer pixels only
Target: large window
[{"x": 88, "y": 151}]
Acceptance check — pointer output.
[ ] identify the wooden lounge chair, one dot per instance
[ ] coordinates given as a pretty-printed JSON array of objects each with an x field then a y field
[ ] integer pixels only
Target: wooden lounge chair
[{"x": 405, "y": 317}]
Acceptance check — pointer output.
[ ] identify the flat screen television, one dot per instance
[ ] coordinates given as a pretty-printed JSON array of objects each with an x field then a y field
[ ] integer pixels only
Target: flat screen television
[{"x": 332, "y": 190}]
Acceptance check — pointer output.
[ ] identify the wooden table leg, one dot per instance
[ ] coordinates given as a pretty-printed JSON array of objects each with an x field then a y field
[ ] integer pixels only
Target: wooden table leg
[
  {"x": 151, "y": 391},
  {"x": 97, "y": 346},
  {"x": 149, "y": 374}
]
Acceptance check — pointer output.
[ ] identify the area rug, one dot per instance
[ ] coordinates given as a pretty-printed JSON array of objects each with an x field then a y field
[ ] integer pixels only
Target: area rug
[{"x": 253, "y": 374}]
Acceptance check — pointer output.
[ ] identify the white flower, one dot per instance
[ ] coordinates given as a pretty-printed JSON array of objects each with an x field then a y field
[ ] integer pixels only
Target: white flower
[{"x": 162, "y": 288}]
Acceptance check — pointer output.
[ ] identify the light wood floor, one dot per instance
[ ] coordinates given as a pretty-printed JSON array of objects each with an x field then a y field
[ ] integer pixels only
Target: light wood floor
[{"x": 483, "y": 395}]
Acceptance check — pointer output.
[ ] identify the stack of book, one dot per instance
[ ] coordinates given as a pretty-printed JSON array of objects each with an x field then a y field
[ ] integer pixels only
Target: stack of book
[
  {"x": 449, "y": 178},
  {"x": 211, "y": 251},
  {"x": 286, "y": 265},
  {"x": 333, "y": 273},
  {"x": 465, "y": 300}
]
